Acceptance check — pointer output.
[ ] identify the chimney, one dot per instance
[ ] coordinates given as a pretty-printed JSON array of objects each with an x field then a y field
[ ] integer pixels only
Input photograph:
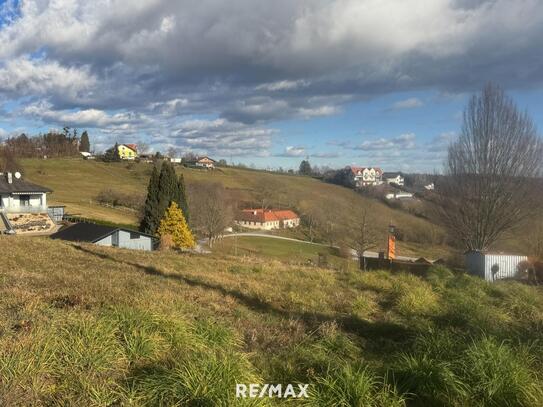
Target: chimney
[{"x": 10, "y": 178}]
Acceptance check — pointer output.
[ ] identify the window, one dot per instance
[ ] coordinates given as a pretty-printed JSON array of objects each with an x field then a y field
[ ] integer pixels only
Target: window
[
  {"x": 24, "y": 200},
  {"x": 134, "y": 235}
]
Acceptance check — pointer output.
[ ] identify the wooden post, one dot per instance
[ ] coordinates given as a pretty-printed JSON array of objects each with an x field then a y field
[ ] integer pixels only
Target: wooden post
[{"x": 391, "y": 246}]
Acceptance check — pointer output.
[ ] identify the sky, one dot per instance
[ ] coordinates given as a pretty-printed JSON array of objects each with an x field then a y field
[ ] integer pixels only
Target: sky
[{"x": 267, "y": 83}]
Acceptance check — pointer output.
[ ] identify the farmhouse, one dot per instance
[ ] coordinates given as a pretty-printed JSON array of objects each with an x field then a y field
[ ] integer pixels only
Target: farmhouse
[
  {"x": 205, "y": 162},
  {"x": 23, "y": 206},
  {"x": 393, "y": 178},
  {"x": 366, "y": 176},
  {"x": 128, "y": 151},
  {"x": 492, "y": 266},
  {"x": 106, "y": 236},
  {"x": 267, "y": 219}
]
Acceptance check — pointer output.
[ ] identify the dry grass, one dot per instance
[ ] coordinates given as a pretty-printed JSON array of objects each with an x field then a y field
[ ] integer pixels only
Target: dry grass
[{"x": 88, "y": 325}]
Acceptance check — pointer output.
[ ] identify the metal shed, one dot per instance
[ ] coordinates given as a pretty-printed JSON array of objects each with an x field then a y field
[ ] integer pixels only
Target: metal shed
[{"x": 492, "y": 266}]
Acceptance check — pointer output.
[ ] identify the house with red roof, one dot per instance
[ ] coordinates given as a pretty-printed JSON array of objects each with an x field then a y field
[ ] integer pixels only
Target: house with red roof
[
  {"x": 267, "y": 219},
  {"x": 366, "y": 176}
]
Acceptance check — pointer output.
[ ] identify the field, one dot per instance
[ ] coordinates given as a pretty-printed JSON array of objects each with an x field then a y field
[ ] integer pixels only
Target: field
[
  {"x": 76, "y": 184},
  {"x": 85, "y": 325}
]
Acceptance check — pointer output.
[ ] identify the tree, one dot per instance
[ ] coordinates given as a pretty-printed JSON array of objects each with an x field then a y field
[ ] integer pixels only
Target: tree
[
  {"x": 112, "y": 154},
  {"x": 174, "y": 225},
  {"x": 211, "y": 208},
  {"x": 359, "y": 235},
  {"x": 490, "y": 171},
  {"x": 8, "y": 160},
  {"x": 181, "y": 197},
  {"x": 151, "y": 217},
  {"x": 305, "y": 168},
  {"x": 84, "y": 145}
]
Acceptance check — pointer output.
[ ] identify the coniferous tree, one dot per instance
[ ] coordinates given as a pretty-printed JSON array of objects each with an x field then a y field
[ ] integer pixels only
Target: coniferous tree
[
  {"x": 305, "y": 168},
  {"x": 182, "y": 196},
  {"x": 167, "y": 188},
  {"x": 151, "y": 216},
  {"x": 84, "y": 144},
  {"x": 174, "y": 225},
  {"x": 112, "y": 154}
]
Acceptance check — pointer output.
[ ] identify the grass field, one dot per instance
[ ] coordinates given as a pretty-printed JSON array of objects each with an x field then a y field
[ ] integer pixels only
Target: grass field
[
  {"x": 76, "y": 184},
  {"x": 87, "y": 325}
]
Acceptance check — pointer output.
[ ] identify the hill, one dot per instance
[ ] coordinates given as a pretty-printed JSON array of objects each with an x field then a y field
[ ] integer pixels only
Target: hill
[
  {"x": 88, "y": 325},
  {"x": 77, "y": 183}
]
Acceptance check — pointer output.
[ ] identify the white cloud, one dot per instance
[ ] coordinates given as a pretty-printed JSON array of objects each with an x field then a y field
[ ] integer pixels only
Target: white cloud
[
  {"x": 402, "y": 142},
  {"x": 410, "y": 103}
]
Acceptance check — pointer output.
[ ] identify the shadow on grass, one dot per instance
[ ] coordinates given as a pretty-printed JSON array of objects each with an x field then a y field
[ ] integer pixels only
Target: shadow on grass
[{"x": 381, "y": 333}]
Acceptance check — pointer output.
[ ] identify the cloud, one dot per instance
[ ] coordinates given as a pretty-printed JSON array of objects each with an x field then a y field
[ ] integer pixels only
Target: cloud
[
  {"x": 404, "y": 141},
  {"x": 441, "y": 142},
  {"x": 410, "y": 103},
  {"x": 145, "y": 67},
  {"x": 292, "y": 151}
]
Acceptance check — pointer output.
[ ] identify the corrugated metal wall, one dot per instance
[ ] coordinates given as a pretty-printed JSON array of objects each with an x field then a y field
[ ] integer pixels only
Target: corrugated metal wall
[{"x": 492, "y": 267}]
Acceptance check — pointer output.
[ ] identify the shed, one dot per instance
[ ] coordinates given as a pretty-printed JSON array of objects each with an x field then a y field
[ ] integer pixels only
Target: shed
[
  {"x": 492, "y": 266},
  {"x": 106, "y": 236}
]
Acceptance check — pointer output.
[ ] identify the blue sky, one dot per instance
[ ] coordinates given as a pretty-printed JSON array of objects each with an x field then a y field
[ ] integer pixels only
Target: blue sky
[{"x": 365, "y": 82}]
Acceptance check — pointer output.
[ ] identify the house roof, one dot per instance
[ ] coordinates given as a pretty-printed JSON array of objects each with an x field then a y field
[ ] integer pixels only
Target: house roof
[
  {"x": 269, "y": 215},
  {"x": 133, "y": 147},
  {"x": 88, "y": 232},
  {"x": 19, "y": 186},
  {"x": 355, "y": 169},
  {"x": 205, "y": 158}
]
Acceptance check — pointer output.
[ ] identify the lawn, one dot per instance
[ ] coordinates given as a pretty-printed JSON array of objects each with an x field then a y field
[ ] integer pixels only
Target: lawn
[{"x": 89, "y": 325}]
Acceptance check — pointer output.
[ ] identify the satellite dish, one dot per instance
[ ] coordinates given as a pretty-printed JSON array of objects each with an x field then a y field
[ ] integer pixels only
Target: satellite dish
[{"x": 18, "y": 175}]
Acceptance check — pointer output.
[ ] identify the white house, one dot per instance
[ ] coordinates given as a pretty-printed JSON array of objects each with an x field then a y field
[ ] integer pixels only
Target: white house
[
  {"x": 107, "y": 236},
  {"x": 205, "y": 162},
  {"x": 399, "y": 195},
  {"x": 267, "y": 219},
  {"x": 366, "y": 176},
  {"x": 492, "y": 266},
  {"x": 19, "y": 196},
  {"x": 393, "y": 178}
]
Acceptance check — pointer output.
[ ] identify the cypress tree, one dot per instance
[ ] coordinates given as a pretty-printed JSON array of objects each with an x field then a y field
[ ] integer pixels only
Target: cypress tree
[
  {"x": 167, "y": 188},
  {"x": 182, "y": 197},
  {"x": 84, "y": 144},
  {"x": 151, "y": 216}
]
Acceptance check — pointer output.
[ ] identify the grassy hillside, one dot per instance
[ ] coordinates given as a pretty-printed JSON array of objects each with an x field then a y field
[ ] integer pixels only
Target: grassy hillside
[
  {"x": 76, "y": 184},
  {"x": 85, "y": 325}
]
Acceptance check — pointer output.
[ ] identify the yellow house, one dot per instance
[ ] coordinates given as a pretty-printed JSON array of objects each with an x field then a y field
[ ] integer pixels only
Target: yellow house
[{"x": 128, "y": 151}]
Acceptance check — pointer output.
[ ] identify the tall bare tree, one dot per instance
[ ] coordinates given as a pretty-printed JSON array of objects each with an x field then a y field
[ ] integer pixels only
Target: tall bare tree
[
  {"x": 8, "y": 160},
  {"x": 211, "y": 209},
  {"x": 360, "y": 234},
  {"x": 491, "y": 171}
]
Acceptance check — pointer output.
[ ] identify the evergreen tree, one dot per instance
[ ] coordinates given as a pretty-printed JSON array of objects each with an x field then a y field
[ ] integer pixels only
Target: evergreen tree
[
  {"x": 151, "y": 216},
  {"x": 305, "y": 168},
  {"x": 84, "y": 144},
  {"x": 181, "y": 198},
  {"x": 167, "y": 188},
  {"x": 112, "y": 154},
  {"x": 174, "y": 225}
]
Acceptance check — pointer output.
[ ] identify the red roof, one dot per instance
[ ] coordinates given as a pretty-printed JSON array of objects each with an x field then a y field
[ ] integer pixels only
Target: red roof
[
  {"x": 355, "y": 170},
  {"x": 132, "y": 146},
  {"x": 269, "y": 215}
]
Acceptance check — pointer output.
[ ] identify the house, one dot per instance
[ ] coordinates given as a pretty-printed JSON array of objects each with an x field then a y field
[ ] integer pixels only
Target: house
[
  {"x": 128, "y": 151},
  {"x": 175, "y": 160},
  {"x": 86, "y": 155},
  {"x": 394, "y": 178},
  {"x": 492, "y": 266},
  {"x": 365, "y": 176},
  {"x": 20, "y": 196},
  {"x": 430, "y": 187},
  {"x": 267, "y": 219},
  {"x": 106, "y": 236},
  {"x": 23, "y": 206},
  {"x": 399, "y": 195},
  {"x": 205, "y": 162}
]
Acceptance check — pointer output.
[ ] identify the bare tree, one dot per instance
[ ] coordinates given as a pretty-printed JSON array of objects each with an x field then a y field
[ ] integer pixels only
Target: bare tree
[
  {"x": 211, "y": 209},
  {"x": 360, "y": 235},
  {"x": 491, "y": 171},
  {"x": 8, "y": 160}
]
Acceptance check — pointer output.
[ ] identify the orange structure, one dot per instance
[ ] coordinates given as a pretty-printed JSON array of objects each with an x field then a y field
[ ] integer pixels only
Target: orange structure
[{"x": 391, "y": 247}]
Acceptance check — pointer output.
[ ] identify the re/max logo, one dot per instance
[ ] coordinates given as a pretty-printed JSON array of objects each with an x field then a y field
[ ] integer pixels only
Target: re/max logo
[{"x": 254, "y": 390}]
